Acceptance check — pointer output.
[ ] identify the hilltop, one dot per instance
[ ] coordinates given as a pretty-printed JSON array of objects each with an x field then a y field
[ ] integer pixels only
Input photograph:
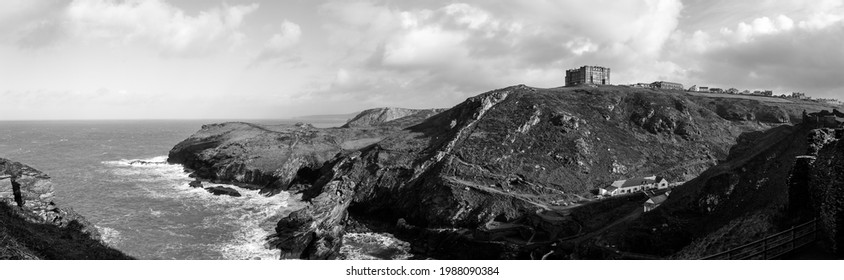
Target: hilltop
[
  {"x": 518, "y": 155},
  {"x": 385, "y": 116}
]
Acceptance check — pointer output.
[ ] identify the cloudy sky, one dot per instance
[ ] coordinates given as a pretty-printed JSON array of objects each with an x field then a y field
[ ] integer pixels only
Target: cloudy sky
[{"x": 154, "y": 59}]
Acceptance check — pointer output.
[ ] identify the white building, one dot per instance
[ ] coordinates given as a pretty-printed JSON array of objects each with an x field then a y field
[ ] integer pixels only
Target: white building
[
  {"x": 634, "y": 185},
  {"x": 655, "y": 201}
]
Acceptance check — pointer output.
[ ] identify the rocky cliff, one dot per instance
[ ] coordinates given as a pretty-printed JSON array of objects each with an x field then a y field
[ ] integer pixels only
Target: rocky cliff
[
  {"x": 515, "y": 155},
  {"x": 771, "y": 180},
  {"x": 32, "y": 226}
]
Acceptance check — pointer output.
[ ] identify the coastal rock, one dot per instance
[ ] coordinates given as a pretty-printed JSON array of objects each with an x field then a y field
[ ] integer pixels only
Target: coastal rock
[
  {"x": 34, "y": 227},
  {"x": 195, "y": 184},
  {"x": 220, "y": 190}
]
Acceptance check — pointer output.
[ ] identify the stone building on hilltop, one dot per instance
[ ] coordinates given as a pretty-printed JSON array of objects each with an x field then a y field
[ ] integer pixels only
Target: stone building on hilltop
[{"x": 595, "y": 75}]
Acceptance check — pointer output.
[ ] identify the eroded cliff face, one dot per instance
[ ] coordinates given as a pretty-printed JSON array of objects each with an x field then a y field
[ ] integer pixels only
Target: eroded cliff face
[
  {"x": 262, "y": 156},
  {"x": 771, "y": 180},
  {"x": 32, "y": 226},
  {"x": 512, "y": 154},
  {"x": 826, "y": 187}
]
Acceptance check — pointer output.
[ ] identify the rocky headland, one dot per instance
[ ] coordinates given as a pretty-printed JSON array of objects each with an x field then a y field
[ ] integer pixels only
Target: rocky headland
[
  {"x": 495, "y": 177},
  {"x": 34, "y": 227}
]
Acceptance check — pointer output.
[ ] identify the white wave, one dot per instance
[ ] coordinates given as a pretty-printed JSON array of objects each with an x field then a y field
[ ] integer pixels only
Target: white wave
[
  {"x": 158, "y": 160},
  {"x": 374, "y": 246},
  {"x": 109, "y": 235},
  {"x": 156, "y": 213},
  {"x": 251, "y": 217},
  {"x": 256, "y": 218}
]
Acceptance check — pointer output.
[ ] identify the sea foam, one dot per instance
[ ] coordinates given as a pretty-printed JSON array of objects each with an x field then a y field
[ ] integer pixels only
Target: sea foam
[{"x": 251, "y": 218}]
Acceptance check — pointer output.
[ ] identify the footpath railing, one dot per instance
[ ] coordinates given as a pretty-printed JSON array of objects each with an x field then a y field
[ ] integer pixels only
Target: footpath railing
[{"x": 774, "y": 245}]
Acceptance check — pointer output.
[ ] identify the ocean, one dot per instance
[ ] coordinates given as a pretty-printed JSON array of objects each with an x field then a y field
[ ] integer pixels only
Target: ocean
[{"x": 148, "y": 210}]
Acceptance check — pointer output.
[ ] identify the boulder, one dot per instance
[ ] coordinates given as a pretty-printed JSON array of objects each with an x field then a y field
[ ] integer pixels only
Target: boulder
[
  {"x": 195, "y": 184},
  {"x": 220, "y": 190}
]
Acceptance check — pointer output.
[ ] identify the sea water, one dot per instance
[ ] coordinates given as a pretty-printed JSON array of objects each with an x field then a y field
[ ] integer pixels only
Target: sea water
[{"x": 115, "y": 174}]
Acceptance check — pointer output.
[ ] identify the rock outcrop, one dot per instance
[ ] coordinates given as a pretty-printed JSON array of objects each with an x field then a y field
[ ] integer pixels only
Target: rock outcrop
[
  {"x": 32, "y": 226},
  {"x": 825, "y": 189},
  {"x": 271, "y": 157},
  {"x": 220, "y": 190}
]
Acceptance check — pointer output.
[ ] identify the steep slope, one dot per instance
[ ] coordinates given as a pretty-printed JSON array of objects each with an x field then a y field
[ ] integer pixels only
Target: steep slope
[
  {"x": 33, "y": 227},
  {"x": 768, "y": 183}
]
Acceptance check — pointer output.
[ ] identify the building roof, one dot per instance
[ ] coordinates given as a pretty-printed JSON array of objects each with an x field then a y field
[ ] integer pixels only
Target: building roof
[
  {"x": 657, "y": 199},
  {"x": 632, "y": 182}
]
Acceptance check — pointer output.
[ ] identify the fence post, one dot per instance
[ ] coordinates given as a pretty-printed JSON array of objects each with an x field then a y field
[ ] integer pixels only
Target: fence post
[
  {"x": 792, "y": 239},
  {"x": 765, "y": 248}
]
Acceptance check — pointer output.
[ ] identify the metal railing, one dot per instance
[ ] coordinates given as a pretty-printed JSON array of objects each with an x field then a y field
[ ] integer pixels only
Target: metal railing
[{"x": 773, "y": 246}]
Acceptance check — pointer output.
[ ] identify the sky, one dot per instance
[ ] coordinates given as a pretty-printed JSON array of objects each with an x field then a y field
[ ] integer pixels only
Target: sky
[{"x": 253, "y": 59}]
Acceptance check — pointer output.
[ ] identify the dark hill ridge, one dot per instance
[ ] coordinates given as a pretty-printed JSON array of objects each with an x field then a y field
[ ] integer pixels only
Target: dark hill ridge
[
  {"x": 505, "y": 154},
  {"x": 33, "y": 227}
]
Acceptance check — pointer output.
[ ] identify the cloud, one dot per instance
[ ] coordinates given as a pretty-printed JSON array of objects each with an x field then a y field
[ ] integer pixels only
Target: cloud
[
  {"x": 280, "y": 44},
  {"x": 30, "y": 24},
  {"x": 455, "y": 50},
  {"x": 153, "y": 23},
  {"x": 797, "y": 51},
  {"x": 158, "y": 24}
]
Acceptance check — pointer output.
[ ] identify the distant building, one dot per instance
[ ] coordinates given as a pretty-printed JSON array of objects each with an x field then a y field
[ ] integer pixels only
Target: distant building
[
  {"x": 768, "y": 93},
  {"x": 595, "y": 75},
  {"x": 655, "y": 201},
  {"x": 693, "y": 88},
  {"x": 716, "y": 90},
  {"x": 641, "y": 85},
  {"x": 703, "y": 89},
  {"x": 634, "y": 185},
  {"x": 798, "y": 95},
  {"x": 829, "y": 101},
  {"x": 667, "y": 85}
]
